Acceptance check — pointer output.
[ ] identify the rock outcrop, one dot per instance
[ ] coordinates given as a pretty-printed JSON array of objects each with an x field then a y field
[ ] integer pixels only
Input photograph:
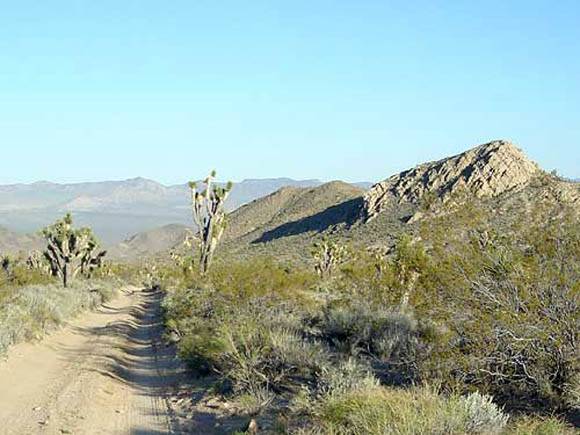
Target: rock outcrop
[{"x": 485, "y": 171}]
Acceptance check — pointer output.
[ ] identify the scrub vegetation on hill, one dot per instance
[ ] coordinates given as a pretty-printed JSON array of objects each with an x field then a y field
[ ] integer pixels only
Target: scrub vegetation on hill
[{"x": 461, "y": 328}]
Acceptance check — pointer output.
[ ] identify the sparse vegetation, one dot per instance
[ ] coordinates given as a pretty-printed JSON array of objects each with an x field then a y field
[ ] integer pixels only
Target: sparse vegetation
[
  {"x": 441, "y": 314},
  {"x": 378, "y": 410}
]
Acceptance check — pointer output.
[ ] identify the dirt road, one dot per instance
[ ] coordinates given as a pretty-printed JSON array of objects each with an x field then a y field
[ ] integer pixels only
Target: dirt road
[{"x": 108, "y": 372}]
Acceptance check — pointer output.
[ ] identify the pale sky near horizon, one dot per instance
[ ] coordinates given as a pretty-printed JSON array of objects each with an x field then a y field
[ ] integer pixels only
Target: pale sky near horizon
[{"x": 352, "y": 90}]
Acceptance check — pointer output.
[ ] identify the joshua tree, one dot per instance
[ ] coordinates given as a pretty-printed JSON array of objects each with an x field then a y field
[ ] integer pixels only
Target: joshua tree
[
  {"x": 329, "y": 255},
  {"x": 37, "y": 261},
  {"x": 380, "y": 255},
  {"x": 209, "y": 216},
  {"x": 6, "y": 264},
  {"x": 70, "y": 250}
]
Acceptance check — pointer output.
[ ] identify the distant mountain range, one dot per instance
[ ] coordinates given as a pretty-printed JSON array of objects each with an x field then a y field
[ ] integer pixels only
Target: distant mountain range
[{"x": 117, "y": 210}]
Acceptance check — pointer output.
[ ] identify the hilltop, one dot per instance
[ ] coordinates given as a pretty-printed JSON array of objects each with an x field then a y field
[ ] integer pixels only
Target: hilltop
[
  {"x": 293, "y": 210},
  {"x": 486, "y": 171}
]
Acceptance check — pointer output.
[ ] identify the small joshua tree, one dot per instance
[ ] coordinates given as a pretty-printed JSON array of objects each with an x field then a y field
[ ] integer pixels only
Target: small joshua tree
[
  {"x": 6, "y": 264},
  {"x": 209, "y": 216},
  {"x": 70, "y": 251},
  {"x": 37, "y": 261},
  {"x": 380, "y": 255},
  {"x": 328, "y": 256}
]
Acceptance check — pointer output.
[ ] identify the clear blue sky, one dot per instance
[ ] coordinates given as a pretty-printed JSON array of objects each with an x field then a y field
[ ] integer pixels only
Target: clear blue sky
[{"x": 353, "y": 90}]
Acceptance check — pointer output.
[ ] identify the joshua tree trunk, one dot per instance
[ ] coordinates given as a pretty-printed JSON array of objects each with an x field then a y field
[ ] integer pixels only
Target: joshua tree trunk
[
  {"x": 208, "y": 214},
  {"x": 66, "y": 275}
]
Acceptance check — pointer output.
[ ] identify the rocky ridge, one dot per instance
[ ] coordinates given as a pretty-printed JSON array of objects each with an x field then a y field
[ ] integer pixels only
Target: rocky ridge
[{"x": 485, "y": 171}]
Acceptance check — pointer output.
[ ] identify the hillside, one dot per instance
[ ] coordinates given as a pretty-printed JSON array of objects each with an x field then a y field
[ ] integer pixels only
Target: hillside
[
  {"x": 12, "y": 243},
  {"x": 292, "y": 210},
  {"x": 148, "y": 243},
  {"x": 486, "y": 171}
]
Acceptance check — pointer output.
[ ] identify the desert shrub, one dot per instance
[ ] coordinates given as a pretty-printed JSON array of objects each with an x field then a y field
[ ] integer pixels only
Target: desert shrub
[
  {"x": 15, "y": 273},
  {"x": 387, "y": 277},
  {"x": 516, "y": 312},
  {"x": 521, "y": 343},
  {"x": 195, "y": 305},
  {"x": 482, "y": 415},
  {"x": 392, "y": 338},
  {"x": 254, "y": 402},
  {"x": 260, "y": 277},
  {"x": 573, "y": 392},
  {"x": 240, "y": 280},
  {"x": 510, "y": 303},
  {"x": 470, "y": 307},
  {"x": 344, "y": 377},
  {"x": 533, "y": 425},
  {"x": 32, "y": 311},
  {"x": 333, "y": 379},
  {"x": 252, "y": 345},
  {"x": 259, "y": 354},
  {"x": 422, "y": 410}
]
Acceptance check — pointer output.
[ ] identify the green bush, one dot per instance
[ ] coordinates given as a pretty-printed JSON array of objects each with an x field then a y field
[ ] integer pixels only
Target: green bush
[{"x": 517, "y": 319}]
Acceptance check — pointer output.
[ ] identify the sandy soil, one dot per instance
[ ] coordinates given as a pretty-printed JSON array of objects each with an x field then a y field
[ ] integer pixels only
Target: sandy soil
[{"x": 108, "y": 372}]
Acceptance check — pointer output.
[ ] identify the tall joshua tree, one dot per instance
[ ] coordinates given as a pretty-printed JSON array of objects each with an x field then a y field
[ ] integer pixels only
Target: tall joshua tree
[
  {"x": 209, "y": 216},
  {"x": 71, "y": 250}
]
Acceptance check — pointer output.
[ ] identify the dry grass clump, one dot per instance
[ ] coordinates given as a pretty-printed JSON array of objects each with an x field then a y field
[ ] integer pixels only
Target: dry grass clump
[
  {"x": 532, "y": 425},
  {"x": 31, "y": 311},
  {"x": 379, "y": 410}
]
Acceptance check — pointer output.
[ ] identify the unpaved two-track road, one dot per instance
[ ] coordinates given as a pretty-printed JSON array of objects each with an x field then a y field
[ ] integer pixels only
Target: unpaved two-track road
[{"x": 108, "y": 372}]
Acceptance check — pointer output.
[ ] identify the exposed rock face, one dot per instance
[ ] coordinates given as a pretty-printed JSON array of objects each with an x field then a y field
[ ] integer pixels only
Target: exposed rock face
[{"x": 484, "y": 171}]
